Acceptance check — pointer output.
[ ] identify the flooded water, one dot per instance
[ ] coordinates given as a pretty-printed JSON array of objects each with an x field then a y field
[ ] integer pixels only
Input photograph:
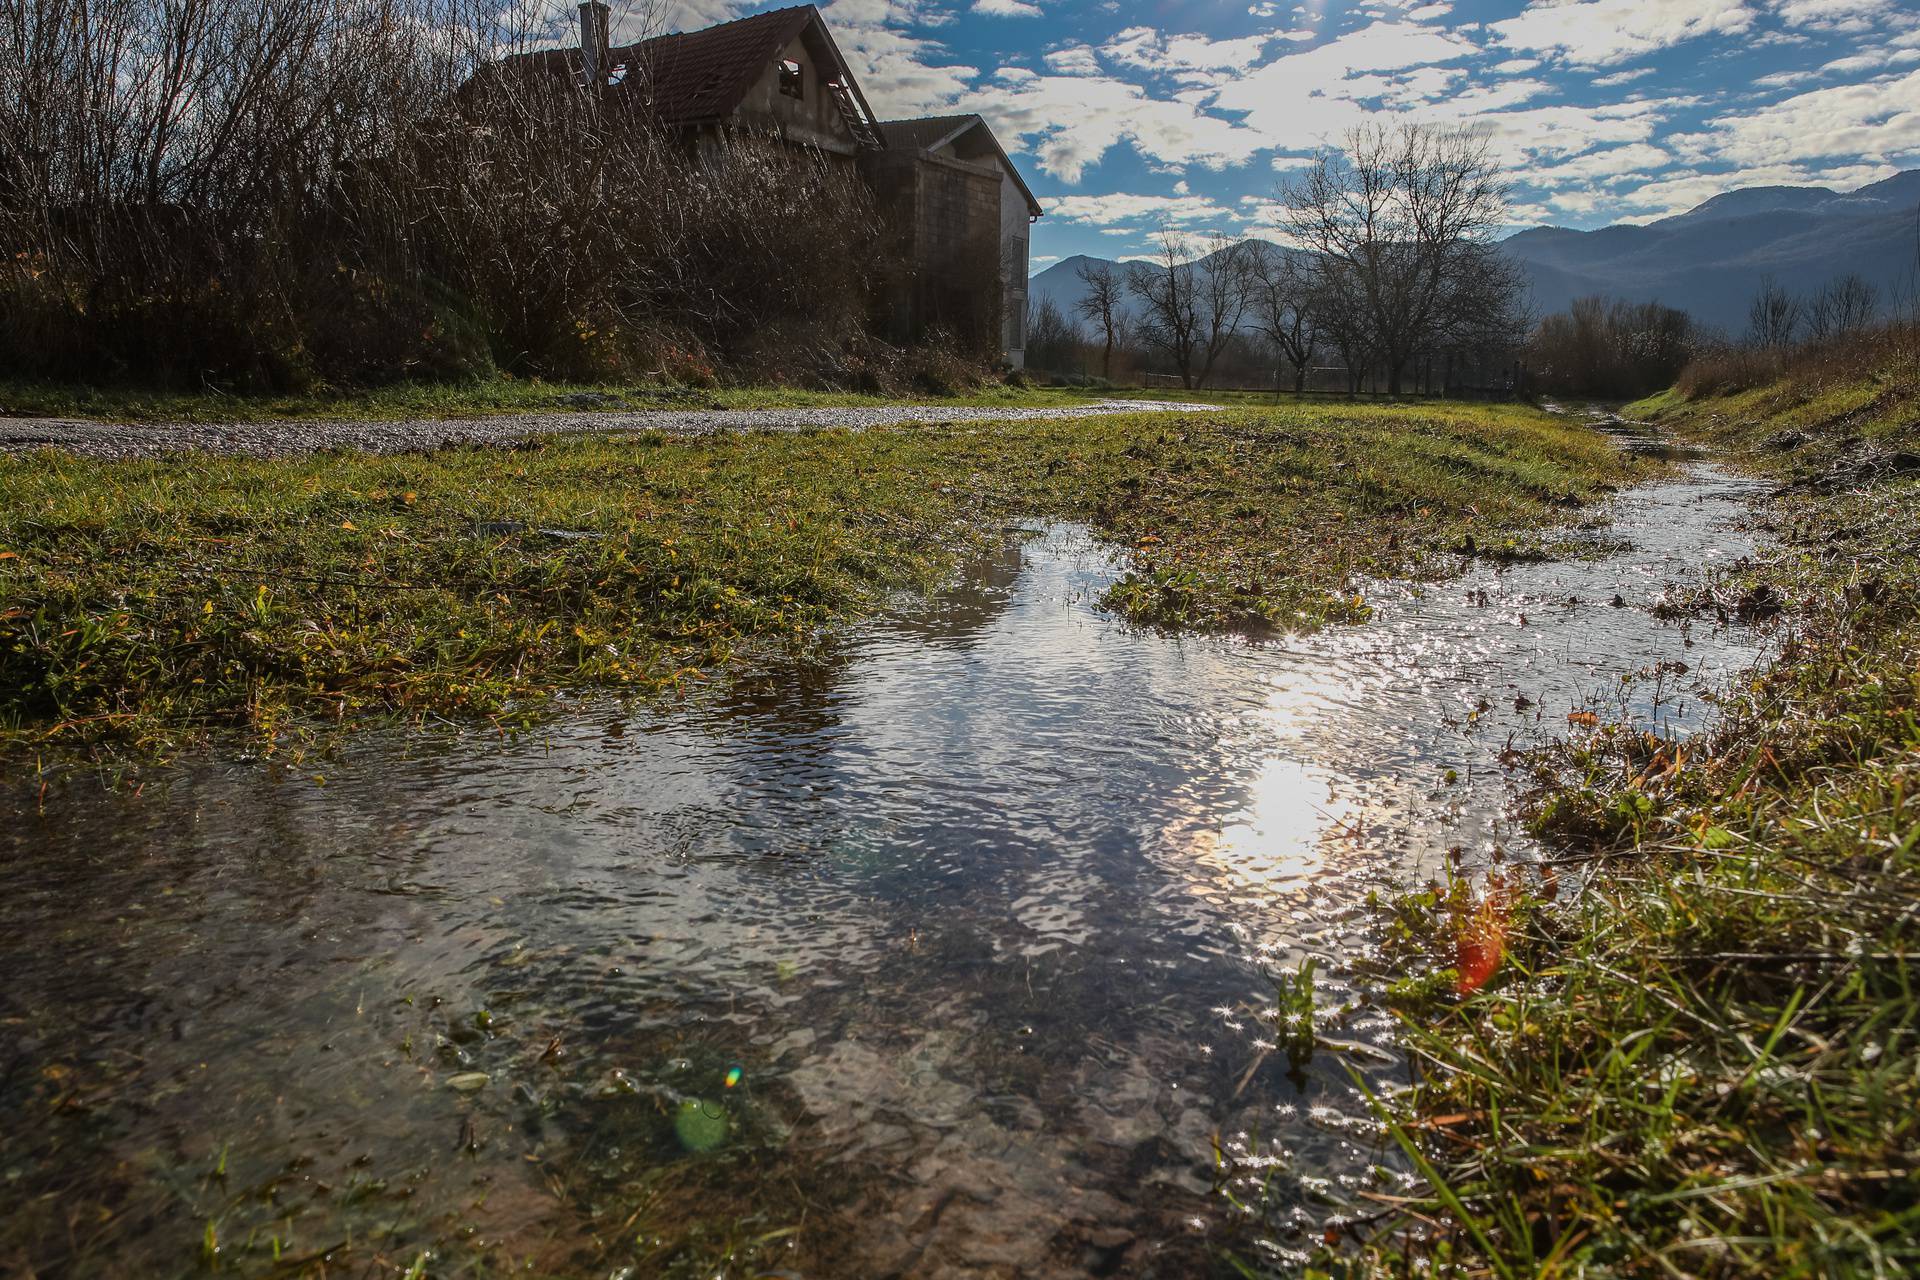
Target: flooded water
[{"x": 948, "y": 955}]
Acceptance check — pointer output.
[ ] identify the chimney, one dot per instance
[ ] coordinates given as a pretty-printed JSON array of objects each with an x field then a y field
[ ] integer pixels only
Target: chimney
[{"x": 593, "y": 41}]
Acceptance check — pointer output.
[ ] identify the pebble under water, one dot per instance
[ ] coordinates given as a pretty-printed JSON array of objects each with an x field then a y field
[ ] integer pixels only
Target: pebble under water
[{"x": 948, "y": 954}]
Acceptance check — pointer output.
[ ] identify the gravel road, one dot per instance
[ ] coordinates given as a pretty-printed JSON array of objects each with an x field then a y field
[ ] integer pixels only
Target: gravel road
[{"x": 283, "y": 439}]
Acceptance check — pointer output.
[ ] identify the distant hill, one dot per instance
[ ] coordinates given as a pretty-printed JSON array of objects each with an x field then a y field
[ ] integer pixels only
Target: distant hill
[{"x": 1706, "y": 261}]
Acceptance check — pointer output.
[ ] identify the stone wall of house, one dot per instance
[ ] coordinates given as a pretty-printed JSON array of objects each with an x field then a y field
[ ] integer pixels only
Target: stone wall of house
[
  {"x": 1016, "y": 230},
  {"x": 945, "y": 216}
]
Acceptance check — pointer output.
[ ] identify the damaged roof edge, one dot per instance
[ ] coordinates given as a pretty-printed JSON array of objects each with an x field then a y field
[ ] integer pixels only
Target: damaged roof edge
[{"x": 846, "y": 72}]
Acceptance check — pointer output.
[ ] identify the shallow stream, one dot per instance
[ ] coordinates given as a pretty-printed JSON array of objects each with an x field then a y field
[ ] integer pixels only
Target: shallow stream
[{"x": 946, "y": 955}]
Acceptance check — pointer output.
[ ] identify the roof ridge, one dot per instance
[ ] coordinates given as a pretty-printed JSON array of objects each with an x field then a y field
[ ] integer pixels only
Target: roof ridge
[{"x": 952, "y": 115}]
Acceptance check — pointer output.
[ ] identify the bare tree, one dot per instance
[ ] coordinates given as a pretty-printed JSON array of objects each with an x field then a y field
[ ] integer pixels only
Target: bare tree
[
  {"x": 1483, "y": 321},
  {"x": 1845, "y": 306},
  {"x": 1054, "y": 341},
  {"x": 1282, "y": 307},
  {"x": 1193, "y": 307},
  {"x": 1403, "y": 222},
  {"x": 1773, "y": 317},
  {"x": 1339, "y": 305},
  {"x": 1165, "y": 286},
  {"x": 1103, "y": 303},
  {"x": 1225, "y": 294}
]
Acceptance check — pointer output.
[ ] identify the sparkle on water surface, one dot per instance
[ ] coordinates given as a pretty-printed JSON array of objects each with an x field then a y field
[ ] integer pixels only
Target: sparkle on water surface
[{"x": 965, "y": 930}]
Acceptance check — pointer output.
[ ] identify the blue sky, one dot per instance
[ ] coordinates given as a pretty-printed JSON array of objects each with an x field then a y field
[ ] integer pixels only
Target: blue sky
[{"x": 1123, "y": 116}]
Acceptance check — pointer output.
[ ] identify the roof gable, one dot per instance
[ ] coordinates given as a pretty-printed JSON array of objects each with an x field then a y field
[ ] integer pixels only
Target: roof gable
[{"x": 930, "y": 133}]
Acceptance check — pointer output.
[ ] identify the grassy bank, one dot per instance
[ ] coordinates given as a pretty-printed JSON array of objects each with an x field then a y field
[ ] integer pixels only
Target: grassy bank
[
  {"x": 143, "y": 602},
  {"x": 1708, "y": 1062},
  {"x": 481, "y": 398}
]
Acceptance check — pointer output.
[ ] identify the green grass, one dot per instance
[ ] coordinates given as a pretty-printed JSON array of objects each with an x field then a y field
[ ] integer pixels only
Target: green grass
[
  {"x": 145, "y": 603},
  {"x": 476, "y": 399},
  {"x": 1708, "y": 1062},
  {"x": 1864, "y": 391}
]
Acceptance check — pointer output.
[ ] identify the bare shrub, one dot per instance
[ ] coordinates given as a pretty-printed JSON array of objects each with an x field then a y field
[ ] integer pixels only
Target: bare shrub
[
  {"x": 1282, "y": 306},
  {"x": 270, "y": 193},
  {"x": 1611, "y": 348},
  {"x": 1728, "y": 369},
  {"x": 1887, "y": 355},
  {"x": 1055, "y": 342}
]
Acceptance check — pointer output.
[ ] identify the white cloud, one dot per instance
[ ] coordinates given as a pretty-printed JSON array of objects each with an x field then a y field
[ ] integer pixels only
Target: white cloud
[
  {"x": 1146, "y": 49},
  {"x": 1006, "y": 8},
  {"x": 1876, "y": 120},
  {"x": 1833, "y": 15},
  {"x": 1070, "y": 122},
  {"x": 1077, "y": 60},
  {"x": 1558, "y": 133},
  {"x": 1870, "y": 60},
  {"x": 900, "y": 73},
  {"x": 1622, "y": 77},
  {"x": 1125, "y": 209},
  {"x": 1607, "y": 165},
  {"x": 1603, "y": 32},
  {"x": 1301, "y": 100}
]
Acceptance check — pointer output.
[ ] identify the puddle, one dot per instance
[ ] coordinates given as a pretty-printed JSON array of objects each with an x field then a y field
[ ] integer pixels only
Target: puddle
[{"x": 950, "y": 950}]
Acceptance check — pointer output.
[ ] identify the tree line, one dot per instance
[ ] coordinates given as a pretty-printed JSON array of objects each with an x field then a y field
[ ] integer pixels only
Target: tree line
[
  {"x": 1613, "y": 349},
  {"x": 1391, "y": 276}
]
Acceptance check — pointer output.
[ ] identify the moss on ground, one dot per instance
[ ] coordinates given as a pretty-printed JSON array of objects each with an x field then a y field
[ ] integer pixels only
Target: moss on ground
[
  {"x": 145, "y": 602},
  {"x": 1708, "y": 1062}
]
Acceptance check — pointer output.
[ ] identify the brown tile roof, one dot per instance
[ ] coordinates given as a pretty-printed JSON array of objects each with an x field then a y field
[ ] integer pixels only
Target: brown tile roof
[
  {"x": 702, "y": 75},
  {"x": 689, "y": 76}
]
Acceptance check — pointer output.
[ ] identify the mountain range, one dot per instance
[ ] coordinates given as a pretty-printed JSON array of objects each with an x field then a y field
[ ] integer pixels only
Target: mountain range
[{"x": 1707, "y": 261}]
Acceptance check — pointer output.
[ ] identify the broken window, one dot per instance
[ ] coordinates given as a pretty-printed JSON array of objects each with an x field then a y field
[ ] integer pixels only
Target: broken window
[{"x": 793, "y": 81}]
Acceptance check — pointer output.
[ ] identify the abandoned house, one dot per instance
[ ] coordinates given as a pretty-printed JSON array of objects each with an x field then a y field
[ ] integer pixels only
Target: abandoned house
[{"x": 954, "y": 201}]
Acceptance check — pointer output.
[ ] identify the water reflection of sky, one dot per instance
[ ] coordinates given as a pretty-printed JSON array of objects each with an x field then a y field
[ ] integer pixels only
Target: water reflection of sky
[{"x": 983, "y": 903}]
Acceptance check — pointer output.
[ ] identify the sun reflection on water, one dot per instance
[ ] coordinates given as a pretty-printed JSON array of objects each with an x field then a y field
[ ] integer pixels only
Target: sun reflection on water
[{"x": 1277, "y": 842}]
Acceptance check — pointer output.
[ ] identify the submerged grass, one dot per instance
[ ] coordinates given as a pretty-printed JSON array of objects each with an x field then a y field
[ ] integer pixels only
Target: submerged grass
[
  {"x": 1707, "y": 1062},
  {"x": 144, "y": 602}
]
